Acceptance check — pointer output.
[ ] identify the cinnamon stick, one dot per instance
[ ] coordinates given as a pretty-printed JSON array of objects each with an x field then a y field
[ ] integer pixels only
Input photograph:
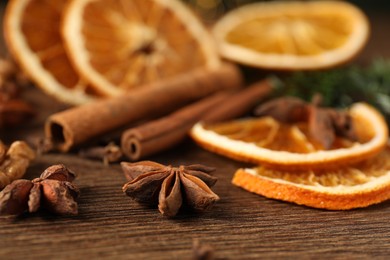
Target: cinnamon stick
[
  {"x": 241, "y": 102},
  {"x": 161, "y": 134},
  {"x": 74, "y": 126}
]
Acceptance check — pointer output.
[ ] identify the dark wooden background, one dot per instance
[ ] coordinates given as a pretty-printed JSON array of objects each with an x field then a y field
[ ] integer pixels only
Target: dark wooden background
[{"x": 240, "y": 226}]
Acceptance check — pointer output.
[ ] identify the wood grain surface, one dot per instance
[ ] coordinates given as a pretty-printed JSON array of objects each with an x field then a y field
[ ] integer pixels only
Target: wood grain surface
[{"x": 240, "y": 226}]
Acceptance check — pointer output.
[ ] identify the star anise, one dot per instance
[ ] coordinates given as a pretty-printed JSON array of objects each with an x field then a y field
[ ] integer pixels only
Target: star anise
[
  {"x": 324, "y": 123},
  {"x": 53, "y": 191},
  {"x": 151, "y": 182}
]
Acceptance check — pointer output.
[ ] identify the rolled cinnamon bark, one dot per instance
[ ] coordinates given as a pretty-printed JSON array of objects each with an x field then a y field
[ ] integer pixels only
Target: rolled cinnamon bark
[
  {"x": 79, "y": 124},
  {"x": 161, "y": 134},
  {"x": 241, "y": 102}
]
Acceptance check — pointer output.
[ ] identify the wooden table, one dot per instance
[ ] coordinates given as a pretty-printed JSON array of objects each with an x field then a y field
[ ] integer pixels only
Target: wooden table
[{"x": 240, "y": 226}]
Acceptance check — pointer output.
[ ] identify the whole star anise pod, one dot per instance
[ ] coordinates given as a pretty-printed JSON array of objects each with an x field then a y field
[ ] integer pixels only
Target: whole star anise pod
[
  {"x": 151, "y": 182},
  {"x": 53, "y": 191}
]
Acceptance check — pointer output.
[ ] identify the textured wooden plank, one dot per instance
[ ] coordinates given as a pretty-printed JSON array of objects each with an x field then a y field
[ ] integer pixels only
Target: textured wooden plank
[{"x": 240, "y": 226}]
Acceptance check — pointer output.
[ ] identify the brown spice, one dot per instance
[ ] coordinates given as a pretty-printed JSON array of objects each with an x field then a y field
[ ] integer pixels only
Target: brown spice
[
  {"x": 343, "y": 124},
  {"x": 53, "y": 191},
  {"x": 14, "y": 161},
  {"x": 3, "y": 150},
  {"x": 13, "y": 110},
  {"x": 79, "y": 124},
  {"x": 240, "y": 102},
  {"x": 108, "y": 154},
  {"x": 324, "y": 123},
  {"x": 285, "y": 109},
  {"x": 202, "y": 251},
  {"x": 151, "y": 182},
  {"x": 163, "y": 133},
  {"x": 42, "y": 145},
  {"x": 11, "y": 77},
  {"x": 321, "y": 126}
]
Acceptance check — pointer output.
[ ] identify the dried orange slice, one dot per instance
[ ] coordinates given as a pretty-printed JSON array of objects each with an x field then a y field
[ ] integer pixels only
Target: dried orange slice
[
  {"x": 289, "y": 146},
  {"x": 292, "y": 35},
  {"x": 31, "y": 29},
  {"x": 355, "y": 186},
  {"x": 118, "y": 45}
]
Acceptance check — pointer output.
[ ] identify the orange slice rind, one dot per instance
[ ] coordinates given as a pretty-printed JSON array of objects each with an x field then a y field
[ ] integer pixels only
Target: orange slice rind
[
  {"x": 258, "y": 141},
  {"x": 355, "y": 186}
]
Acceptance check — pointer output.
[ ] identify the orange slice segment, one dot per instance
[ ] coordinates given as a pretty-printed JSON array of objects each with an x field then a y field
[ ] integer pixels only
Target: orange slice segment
[
  {"x": 292, "y": 35},
  {"x": 266, "y": 141},
  {"x": 118, "y": 45},
  {"x": 31, "y": 29},
  {"x": 356, "y": 186}
]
